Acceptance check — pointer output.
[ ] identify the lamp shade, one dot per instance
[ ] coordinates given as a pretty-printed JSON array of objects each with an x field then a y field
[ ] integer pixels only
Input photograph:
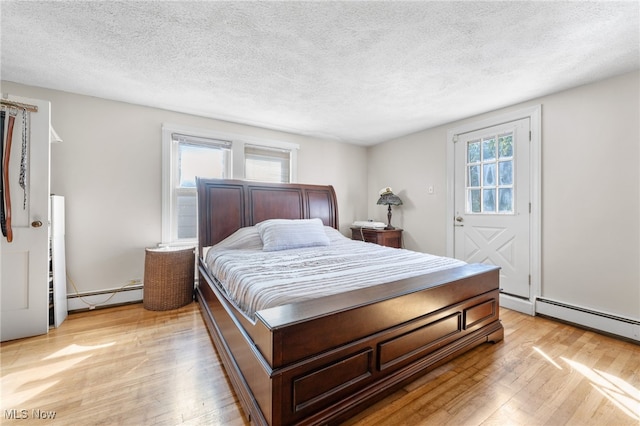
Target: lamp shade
[{"x": 389, "y": 199}]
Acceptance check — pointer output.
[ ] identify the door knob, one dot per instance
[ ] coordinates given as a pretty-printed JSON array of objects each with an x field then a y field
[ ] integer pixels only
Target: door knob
[
  {"x": 459, "y": 219},
  {"x": 36, "y": 224}
]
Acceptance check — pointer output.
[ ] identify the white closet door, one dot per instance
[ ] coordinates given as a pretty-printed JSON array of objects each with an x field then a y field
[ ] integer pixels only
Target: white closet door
[{"x": 24, "y": 292}]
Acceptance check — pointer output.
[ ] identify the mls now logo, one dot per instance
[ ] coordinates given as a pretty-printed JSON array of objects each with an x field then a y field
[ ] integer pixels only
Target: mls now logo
[{"x": 15, "y": 414}]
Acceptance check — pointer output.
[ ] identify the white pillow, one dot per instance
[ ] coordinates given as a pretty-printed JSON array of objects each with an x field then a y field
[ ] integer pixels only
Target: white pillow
[
  {"x": 334, "y": 235},
  {"x": 284, "y": 234},
  {"x": 243, "y": 238}
]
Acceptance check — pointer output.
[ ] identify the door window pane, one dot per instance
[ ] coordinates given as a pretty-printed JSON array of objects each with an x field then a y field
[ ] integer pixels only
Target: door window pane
[
  {"x": 489, "y": 174},
  {"x": 489, "y": 200},
  {"x": 505, "y": 200},
  {"x": 474, "y": 175},
  {"x": 505, "y": 145},
  {"x": 474, "y": 200},
  {"x": 488, "y": 149},
  {"x": 505, "y": 171},
  {"x": 473, "y": 152}
]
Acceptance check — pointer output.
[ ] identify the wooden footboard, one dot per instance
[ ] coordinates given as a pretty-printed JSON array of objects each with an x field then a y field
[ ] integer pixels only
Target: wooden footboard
[{"x": 321, "y": 361}]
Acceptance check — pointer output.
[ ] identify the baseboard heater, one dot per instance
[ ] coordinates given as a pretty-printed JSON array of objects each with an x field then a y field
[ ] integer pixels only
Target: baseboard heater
[
  {"x": 608, "y": 323},
  {"x": 104, "y": 298}
]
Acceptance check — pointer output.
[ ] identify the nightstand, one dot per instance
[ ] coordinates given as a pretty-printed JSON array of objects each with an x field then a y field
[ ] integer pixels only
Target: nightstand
[{"x": 383, "y": 237}]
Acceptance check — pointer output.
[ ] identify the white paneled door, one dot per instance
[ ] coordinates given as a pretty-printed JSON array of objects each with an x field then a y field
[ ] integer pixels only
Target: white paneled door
[
  {"x": 492, "y": 202},
  {"x": 24, "y": 285}
]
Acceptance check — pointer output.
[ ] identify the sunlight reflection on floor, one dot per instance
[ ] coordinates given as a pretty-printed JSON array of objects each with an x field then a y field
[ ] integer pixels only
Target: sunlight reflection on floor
[
  {"x": 547, "y": 357},
  {"x": 619, "y": 392},
  {"x": 75, "y": 349},
  {"x": 18, "y": 388},
  {"x": 622, "y": 394}
]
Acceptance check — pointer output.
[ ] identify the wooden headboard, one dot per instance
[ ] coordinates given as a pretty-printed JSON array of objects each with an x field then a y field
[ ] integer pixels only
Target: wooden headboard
[{"x": 224, "y": 206}]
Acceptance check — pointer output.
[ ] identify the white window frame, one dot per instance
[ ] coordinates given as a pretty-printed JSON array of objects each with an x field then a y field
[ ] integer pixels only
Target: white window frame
[{"x": 169, "y": 164}]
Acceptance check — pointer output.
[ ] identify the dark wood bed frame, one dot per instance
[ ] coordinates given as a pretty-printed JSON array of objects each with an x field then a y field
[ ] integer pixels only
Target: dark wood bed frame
[{"x": 322, "y": 361}]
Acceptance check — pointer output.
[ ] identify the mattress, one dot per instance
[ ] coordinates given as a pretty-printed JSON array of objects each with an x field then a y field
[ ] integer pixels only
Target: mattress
[{"x": 255, "y": 279}]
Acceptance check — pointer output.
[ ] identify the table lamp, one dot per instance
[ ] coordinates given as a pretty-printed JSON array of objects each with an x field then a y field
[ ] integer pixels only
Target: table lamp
[{"x": 387, "y": 197}]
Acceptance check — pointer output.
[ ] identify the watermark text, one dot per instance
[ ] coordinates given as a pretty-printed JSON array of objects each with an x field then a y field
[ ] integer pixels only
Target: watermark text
[{"x": 24, "y": 414}]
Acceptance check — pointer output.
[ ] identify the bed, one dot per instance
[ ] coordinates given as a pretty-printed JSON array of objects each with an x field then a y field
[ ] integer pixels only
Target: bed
[{"x": 321, "y": 360}]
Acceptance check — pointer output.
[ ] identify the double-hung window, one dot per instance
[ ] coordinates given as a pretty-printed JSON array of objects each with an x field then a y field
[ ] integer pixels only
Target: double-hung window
[
  {"x": 189, "y": 153},
  {"x": 193, "y": 156}
]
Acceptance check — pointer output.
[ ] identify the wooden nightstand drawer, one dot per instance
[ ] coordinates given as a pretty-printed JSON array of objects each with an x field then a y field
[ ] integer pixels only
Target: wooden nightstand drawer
[{"x": 383, "y": 237}]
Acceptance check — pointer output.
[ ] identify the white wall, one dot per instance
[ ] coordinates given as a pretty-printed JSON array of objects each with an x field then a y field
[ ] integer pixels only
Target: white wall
[
  {"x": 590, "y": 192},
  {"x": 409, "y": 165},
  {"x": 591, "y": 208},
  {"x": 108, "y": 167}
]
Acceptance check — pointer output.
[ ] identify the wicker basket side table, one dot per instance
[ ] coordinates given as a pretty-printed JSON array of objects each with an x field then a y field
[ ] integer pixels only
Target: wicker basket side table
[{"x": 168, "y": 278}]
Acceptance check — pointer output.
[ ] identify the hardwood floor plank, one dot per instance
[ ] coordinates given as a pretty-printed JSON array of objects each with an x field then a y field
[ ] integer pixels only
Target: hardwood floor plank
[{"x": 130, "y": 366}]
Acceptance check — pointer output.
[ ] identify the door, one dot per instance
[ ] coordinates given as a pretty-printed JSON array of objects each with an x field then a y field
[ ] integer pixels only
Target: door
[
  {"x": 492, "y": 202},
  {"x": 24, "y": 304}
]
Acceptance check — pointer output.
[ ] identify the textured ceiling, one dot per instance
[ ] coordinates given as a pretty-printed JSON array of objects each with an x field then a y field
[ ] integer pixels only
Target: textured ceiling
[{"x": 360, "y": 72}]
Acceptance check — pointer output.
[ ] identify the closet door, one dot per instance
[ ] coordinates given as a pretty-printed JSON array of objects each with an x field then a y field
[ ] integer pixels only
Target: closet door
[{"x": 24, "y": 268}]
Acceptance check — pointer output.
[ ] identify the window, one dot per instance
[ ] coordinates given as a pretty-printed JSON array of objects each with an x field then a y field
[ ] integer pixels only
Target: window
[
  {"x": 267, "y": 164},
  {"x": 490, "y": 174},
  {"x": 194, "y": 156},
  {"x": 189, "y": 153}
]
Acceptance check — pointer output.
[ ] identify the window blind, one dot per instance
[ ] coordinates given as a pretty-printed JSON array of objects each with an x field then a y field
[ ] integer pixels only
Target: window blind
[
  {"x": 195, "y": 140},
  {"x": 267, "y": 164}
]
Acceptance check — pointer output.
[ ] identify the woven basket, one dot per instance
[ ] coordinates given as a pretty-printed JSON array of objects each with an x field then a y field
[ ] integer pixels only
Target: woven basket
[{"x": 168, "y": 278}]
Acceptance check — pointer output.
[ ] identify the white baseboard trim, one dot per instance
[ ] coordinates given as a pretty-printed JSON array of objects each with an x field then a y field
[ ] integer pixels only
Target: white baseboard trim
[
  {"x": 514, "y": 303},
  {"x": 608, "y": 323},
  {"x": 104, "y": 298}
]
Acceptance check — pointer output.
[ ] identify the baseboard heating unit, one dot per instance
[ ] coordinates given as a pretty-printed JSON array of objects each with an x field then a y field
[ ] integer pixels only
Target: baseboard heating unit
[
  {"x": 104, "y": 298},
  {"x": 608, "y": 323}
]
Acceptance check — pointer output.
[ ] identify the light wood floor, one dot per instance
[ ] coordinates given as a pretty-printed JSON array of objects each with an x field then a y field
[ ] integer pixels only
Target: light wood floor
[{"x": 130, "y": 366}]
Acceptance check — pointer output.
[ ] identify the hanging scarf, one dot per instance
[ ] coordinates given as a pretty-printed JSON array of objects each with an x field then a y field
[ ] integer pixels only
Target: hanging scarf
[
  {"x": 3, "y": 223},
  {"x": 5, "y": 177},
  {"x": 23, "y": 158}
]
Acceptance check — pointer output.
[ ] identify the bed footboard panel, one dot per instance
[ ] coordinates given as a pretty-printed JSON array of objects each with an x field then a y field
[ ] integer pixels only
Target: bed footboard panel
[{"x": 334, "y": 382}]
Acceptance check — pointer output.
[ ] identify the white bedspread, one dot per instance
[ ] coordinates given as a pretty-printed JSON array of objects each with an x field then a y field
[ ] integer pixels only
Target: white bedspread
[{"x": 255, "y": 279}]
